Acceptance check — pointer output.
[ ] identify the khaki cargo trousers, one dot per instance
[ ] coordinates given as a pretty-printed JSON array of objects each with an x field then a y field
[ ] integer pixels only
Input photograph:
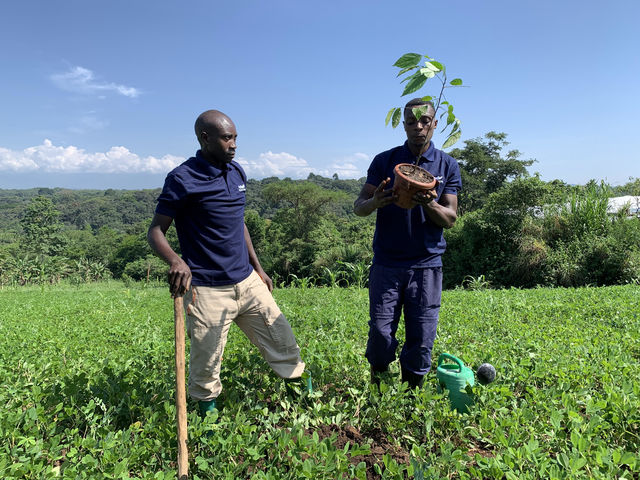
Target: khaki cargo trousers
[{"x": 210, "y": 312}]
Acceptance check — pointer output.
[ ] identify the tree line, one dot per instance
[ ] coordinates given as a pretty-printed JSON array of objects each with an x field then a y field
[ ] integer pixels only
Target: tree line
[{"x": 513, "y": 230}]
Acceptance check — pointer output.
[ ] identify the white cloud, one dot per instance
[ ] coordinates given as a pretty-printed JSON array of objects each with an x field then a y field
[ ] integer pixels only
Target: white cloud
[
  {"x": 52, "y": 159},
  {"x": 271, "y": 164},
  {"x": 82, "y": 80},
  {"x": 284, "y": 164}
]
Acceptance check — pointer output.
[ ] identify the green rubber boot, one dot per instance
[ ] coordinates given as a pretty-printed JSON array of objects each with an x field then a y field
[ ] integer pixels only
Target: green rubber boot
[
  {"x": 206, "y": 406},
  {"x": 304, "y": 380}
]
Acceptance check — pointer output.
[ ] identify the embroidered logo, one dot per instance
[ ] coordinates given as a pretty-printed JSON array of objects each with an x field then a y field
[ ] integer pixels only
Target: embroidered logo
[
  {"x": 242, "y": 188},
  {"x": 439, "y": 178}
]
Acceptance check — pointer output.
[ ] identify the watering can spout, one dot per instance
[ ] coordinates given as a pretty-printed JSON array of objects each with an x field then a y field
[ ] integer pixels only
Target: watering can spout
[{"x": 454, "y": 377}]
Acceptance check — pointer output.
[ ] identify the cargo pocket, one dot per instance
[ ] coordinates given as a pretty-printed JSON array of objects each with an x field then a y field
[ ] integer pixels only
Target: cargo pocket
[
  {"x": 431, "y": 288},
  {"x": 274, "y": 320}
]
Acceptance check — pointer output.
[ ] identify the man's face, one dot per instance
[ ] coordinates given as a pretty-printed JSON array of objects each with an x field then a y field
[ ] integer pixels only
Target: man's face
[
  {"x": 419, "y": 132},
  {"x": 219, "y": 143}
]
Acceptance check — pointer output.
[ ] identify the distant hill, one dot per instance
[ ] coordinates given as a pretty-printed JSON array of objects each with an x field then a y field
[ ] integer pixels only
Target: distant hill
[{"x": 118, "y": 209}]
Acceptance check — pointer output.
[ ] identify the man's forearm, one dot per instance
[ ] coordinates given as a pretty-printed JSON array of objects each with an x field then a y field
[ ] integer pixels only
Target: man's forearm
[
  {"x": 159, "y": 244},
  {"x": 253, "y": 257},
  {"x": 441, "y": 215},
  {"x": 364, "y": 207}
]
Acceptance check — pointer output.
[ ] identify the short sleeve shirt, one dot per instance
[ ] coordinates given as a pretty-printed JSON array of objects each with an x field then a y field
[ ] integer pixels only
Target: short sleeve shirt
[
  {"x": 207, "y": 204},
  {"x": 407, "y": 237}
]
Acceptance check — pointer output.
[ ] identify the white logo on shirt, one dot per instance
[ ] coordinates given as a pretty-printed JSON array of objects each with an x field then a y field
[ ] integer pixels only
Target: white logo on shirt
[
  {"x": 439, "y": 178},
  {"x": 242, "y": 188}
]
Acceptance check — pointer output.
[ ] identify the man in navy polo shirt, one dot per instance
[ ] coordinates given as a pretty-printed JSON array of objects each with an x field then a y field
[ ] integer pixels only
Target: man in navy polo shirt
[
  {"x": 408, "y": 244},
  {"x": 219, "y": 272}
]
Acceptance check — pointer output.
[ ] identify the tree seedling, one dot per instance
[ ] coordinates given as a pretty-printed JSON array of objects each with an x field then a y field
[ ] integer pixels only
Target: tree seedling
[{"x": 416, "y": 75}]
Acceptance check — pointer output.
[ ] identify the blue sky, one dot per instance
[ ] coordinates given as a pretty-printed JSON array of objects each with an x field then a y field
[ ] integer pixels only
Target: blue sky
[{"x": 105, "y": 94}]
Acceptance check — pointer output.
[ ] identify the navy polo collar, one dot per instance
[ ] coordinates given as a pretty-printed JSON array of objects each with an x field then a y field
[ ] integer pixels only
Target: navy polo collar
[
  {"x": 427, "y": 156},
  {"x": 208, "y": 167}
]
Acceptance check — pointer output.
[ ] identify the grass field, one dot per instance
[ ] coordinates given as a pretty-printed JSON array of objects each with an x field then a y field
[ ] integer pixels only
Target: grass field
[{"x": 87, "y": 390}]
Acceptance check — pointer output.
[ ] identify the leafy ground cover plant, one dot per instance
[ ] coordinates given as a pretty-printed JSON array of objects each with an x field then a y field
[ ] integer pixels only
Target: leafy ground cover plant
[{"x": 87, "y": 385}]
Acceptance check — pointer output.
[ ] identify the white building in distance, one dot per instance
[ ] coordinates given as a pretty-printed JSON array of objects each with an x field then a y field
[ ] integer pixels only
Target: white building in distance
[{"x": 629, "y": 202}]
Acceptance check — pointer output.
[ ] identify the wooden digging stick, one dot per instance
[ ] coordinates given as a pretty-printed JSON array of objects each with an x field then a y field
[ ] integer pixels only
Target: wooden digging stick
[{"x": 181, "y": 396}]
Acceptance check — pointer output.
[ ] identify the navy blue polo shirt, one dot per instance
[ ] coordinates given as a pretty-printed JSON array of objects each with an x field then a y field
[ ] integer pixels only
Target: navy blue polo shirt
[
  {"x": 207, "y": 204},
  {"x": 407, "y": 237}
]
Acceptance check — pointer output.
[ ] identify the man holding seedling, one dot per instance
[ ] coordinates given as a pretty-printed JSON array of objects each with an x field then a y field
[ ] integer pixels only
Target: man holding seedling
[
  {"x": 219, "y": 273},
  {"x": 408, "y": 244}
]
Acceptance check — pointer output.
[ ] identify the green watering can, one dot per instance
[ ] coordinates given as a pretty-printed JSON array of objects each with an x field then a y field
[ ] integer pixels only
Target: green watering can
[{"x": 455, "y": 377}]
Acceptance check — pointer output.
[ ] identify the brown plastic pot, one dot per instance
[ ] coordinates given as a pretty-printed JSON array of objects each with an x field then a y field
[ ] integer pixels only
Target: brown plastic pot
[{"x": 411, "y": 179}]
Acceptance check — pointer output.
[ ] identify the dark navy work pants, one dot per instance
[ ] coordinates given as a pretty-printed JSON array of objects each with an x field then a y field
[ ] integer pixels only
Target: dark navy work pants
[{"x": 417, "y": 292}]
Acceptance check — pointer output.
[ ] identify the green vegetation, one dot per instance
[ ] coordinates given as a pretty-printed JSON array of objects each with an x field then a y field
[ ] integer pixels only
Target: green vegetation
[
  {"x": 513, "y": 230},
  {"x": 88, "y": 388},
  {"x": 532, "y": 233},
  {"x": 299, "y": 229}
]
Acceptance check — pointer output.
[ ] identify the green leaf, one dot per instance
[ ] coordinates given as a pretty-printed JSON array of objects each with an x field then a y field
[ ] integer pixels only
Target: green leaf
[
  {"x": 427, "y": 98},
  {"x": 405, "y": 70},
  {"x": 451, "y": 118},
  {"x": 396, "y": 117},
  {"x": 453, "y": 138},
  {"x": 578, "y": 462},
  {"x": 628, "y": 458},
  {"x": 438, "y": 65},
  {"x": 408, "y": 60},
  {"x": 615, "y": 456},
  {"x": 456, "y": 82},
  {"x": 418, "y": 112},
  {"x": 386, "y": 121},
  {"x": 427, "y": 73},
  {"x": 415, "y": 83},
  {"x": 432, "y": 67}
]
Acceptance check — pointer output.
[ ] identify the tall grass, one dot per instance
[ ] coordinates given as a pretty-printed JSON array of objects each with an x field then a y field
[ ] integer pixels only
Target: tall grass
[{"x": 585, "y": 211}]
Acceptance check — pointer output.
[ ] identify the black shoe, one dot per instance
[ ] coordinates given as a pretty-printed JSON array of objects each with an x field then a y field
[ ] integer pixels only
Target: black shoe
[
  {"x": 376, "y": 373},
  {"x": 413, "y": 379}
]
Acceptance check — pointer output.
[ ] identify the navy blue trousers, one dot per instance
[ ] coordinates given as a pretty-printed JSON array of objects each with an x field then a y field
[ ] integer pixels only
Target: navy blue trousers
[{"x": 417, "y": 292}]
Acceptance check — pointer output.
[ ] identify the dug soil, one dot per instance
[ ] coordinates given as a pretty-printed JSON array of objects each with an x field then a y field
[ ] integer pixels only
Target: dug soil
[
  {"x": 375, "y": 438},
  {"x": 416, "y": 173}
]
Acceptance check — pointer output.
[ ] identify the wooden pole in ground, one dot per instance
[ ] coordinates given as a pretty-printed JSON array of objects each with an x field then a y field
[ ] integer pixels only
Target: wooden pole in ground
[{"x": 181, "y": 395}]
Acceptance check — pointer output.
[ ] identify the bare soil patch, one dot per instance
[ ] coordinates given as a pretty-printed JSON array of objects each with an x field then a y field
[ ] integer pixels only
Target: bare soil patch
[{"x": 375, "y": 438}]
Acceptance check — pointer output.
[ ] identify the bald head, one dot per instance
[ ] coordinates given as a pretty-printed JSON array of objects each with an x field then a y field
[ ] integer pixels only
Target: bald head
[
  {"x": 217, "y": 137},
  {"x": 211, "y": 120}
]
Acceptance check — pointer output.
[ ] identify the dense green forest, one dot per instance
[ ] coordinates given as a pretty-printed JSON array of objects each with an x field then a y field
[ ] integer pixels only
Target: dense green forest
[{"x": 513, "y": 230}]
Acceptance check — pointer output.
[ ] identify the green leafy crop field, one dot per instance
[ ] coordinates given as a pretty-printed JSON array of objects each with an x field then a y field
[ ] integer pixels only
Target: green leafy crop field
[{"x": 87, "y": 385}]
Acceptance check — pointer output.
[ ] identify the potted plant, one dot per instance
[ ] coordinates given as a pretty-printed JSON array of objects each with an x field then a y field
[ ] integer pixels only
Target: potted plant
[{"x": 410, "y": 178}]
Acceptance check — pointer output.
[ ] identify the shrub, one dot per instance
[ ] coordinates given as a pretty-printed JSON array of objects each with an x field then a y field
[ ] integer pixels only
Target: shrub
[{"x": 148, "y": 268}]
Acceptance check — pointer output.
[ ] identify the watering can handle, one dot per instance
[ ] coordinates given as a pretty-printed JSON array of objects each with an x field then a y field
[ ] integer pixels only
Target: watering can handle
[{"x": 450, "y": 357}]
